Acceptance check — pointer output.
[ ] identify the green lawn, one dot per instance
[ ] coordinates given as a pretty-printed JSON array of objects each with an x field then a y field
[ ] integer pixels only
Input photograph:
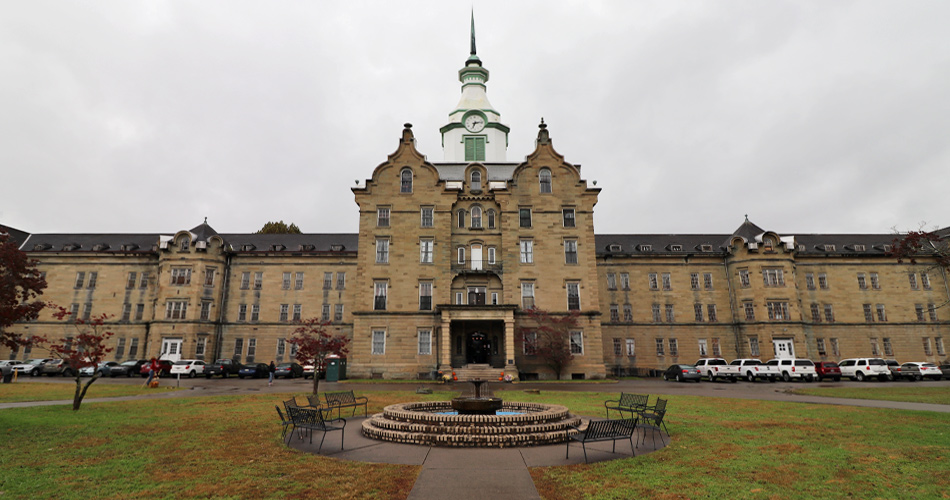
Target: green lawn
[
  {"x": 915, "y": 393},
  {"x": 229, "y": 447},
  {"x": 40, "y": 391}
]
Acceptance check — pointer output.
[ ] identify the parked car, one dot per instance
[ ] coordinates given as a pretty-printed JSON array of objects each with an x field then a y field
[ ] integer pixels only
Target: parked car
[
  {"x": 907, "y": 371},
  {"x": 797, "y": 368},
  {"x": 6, "y": 368},
  {"x": 682, "y": 373},
  {"x": 861, "y": 369},
  {"x": 189, "y": 367},
  {"x": 927, "y": 370},
  {"x": 128, "y": 368},
  {"x": 713, "y": 368},
  {"x": 827, "y": 369},
  {"x": 945, "y": 368},
  {"x": 254, "y": 370},
  {"x": 752, "y": 369},
  {"x": 32, "y": 367},
  {"x": 165, "y": 368},
  {"x": 111, "y": 369},
  {"x": 104, "y": 368},
  {"x": 895, "y": 368},
  {"x": 57, "y": 367},
  {"x": 288, "y": 370},
  {"x": 223, "y": 367}
]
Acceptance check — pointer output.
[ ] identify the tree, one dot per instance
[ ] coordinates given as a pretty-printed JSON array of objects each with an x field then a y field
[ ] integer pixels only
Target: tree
[
  {"x": 279, "y": 228},
  {"x": 314, "y": 343},
  {"x": 550, "y": 338},
  {"x": 87, "y": 348},
  {"x": 20, "y": 284},
  {"x": 921, "y": 244}
]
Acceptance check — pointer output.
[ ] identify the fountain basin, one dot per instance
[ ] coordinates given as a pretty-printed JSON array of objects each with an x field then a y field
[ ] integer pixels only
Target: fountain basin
[{"x": 476, "y": 406}]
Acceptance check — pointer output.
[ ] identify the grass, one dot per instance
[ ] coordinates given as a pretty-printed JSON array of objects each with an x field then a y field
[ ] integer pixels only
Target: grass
[
  {"x": 39, "y": 391},
  {"x": 904, "y": 393},
  {"x": 229, "y": 447}
]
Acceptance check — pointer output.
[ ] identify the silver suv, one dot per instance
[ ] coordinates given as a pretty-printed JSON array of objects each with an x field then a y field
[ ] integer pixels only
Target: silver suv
[{"x": 861, "y": 369}]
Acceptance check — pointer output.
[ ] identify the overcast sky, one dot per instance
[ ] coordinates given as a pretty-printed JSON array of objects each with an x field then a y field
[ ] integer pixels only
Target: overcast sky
[{"x": 148, "y": 116}]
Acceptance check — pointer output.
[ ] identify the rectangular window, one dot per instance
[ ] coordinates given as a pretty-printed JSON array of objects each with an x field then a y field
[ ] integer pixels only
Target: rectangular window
[
  {"x": 716, "y": 350},
  {"x": 655, "y": 309},
  {"x": 238, "y": 349},
  {"x": 924, "y": 280},
  {"x": 573, "y": 296},
  {"x": 670, "y": 317},
  {"x": 744, "y": 278},
  {"x": 875, "y": 349},
  {"x": 382, "y": 217},
  {"x": 888, "y": 350},
  {"x": 927, "y": 350},
  {"x": 258, "y": 280},
  {"x": 577, "y": 343},
  {"x": 702, "y": 348},
  {"x": 778, "y": 311},
  {"x": 834, "y": 348},
  {"x": 618, "y": 347},
  {"x": 570, "y": 251},
  {"x": 815, "y": 312},
  {"x": 694, "y": 281},
  {"x": 338, "y": 312},
  {"x": 628, "y": 313},
  {"x": 251, "y": 350},
  {"x": 773, "y": 277},
  {"x": 80, "y": 279},
  {"x": 659, "y": 346},
  {"x": 200, "y": 346},
  {"x": 285, "y": 281},
  {"x": 475, "y": 148},
  {"x": 868, "y": 313},
  {"x": 881, "y": 315},
  {"x": 919, "y": 309},
  {"x": 530, "y": 346},
  {"x": 829, "y": 313},
  {"x": 425, "y": 251},
  {"x": 242, "y": 312},
  {"x": 120, "y": 348},
  {"x": 139, "y": 311},
  {"x": 524, "y": 217},
  {"x": 340, "y": 280},
  {"x": 527, "y": 295},
  {"x": 614, "y": 313},
  {"x": 674, "y": 349},
  {"x": 298, "y": 281},
  {"x": 494, "y": 298},
  {"x": 932, "y": 310},
  {"x": 707, "y": 281},
  {"x": 379, "y": 300},
  {"x": 624, "y": 281},
  {"x": 749, "y": 311},
  {"x": 327, "y": 281},
  {"x": 209, "y": 276},
  {"x": 821, "y": 346},
  {"x": 654, "y": 283},
  {"x": 810, "y": 281},
  {"x": 144, "y": 282},
  {"x": 460, "y": 257},
  {"x": 284, "y": 312},
  {"x": 711, "y": 310},
  {"x": 205, "y": 311},
  {"x": 281, "y": 348},
  {"x": 698, "y": 312},
  {"x": 611, "y": 281},
  {"x": 567, "y": 216},
  {"x": 427, "y": 216},
  {"x": 379, "y": 342},
  {"x": 754, "y": 347},
  {"x": 245, "y": 281},
  {"x": 126, "y": 312},
  {"x": 913, "y": 281},
  {"x": 176, "y": 309},
  {"x": 425, "y": 342},
  {"x": 631, "y": 347},
  {"x": 325, "y": 312},
  {"x": 298, "y": 312},
  {"x": 875, "y": 281},
  {"x": 93, "y": 276},
  {"x": 181, "y": 276},
  {"x": 130, "y": 284},
  {"x": 425, "y": 295},
  {"x": 476, "y": 218},
  {"x": 382, "y": 251},
  {"x": 255, "y": 312},
  {"x": 459, "y": 298},
  {"x": 74, "y": 311},
  {"x": 862, "y": 282},
  {"x": 527, "y": 251},
  {"x": 491, "y": 219},
  {"x": 938, "y": 341},
  {"x": 491, "y": 255},
  {"x": 667, "y": 282},
  {"x": 133, "y": 348},
  {"x": 822, "y": 281}
]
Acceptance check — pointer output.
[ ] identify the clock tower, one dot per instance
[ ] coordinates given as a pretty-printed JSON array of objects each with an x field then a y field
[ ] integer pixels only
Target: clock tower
[{"x": 474, "y": 131}]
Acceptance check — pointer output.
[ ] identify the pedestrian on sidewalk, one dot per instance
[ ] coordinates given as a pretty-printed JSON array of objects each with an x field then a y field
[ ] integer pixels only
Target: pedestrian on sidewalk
[
  {"x": 271, "y": 370},
  {"x": 153, "y": 367}
]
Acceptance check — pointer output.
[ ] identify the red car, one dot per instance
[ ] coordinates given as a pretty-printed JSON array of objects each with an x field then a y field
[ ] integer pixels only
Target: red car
[
  {"x": 828, "y": 369},
  {"x": 165, "y": 368}
]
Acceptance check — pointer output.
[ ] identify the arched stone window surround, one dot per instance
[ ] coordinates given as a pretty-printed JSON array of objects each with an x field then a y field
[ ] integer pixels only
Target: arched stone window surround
[{"x": 405, "y": 180}]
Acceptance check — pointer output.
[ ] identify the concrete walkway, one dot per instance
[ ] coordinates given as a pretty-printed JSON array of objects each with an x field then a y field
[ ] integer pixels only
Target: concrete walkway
[{"x": 454, "y": 472}]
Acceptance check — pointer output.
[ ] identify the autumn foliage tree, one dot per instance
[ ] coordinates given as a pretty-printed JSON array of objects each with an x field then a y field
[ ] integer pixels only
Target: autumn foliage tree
[
  {"x": 20, "y": 285},
  {"x": 279, "y": 228},
  {"x": 86, "y": 348},
  {"x": 314, "y": 343},
  {"x": 915, "y": 245},
  {"x": 549, "y": 338}
]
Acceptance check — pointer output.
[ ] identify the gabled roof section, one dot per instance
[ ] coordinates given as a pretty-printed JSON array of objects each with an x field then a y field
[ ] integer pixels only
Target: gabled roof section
[
  {"x": 747, "y": 230},
  {"x": 16, "y": 236},
  {"x": 203, "y": 232}
]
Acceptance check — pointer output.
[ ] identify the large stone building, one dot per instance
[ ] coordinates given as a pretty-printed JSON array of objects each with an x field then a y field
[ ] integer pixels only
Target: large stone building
[{"x": 450, "y": 255}]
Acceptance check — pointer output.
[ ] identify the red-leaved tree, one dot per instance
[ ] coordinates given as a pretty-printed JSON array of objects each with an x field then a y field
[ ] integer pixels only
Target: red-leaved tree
[
  {"x": 915, "y": 245},
  {"x": 548, "y": 337},
  {"x": 20, "y": 285},
  {"x": 314, "y": 343},
  {"x": 86, "y": 348}
]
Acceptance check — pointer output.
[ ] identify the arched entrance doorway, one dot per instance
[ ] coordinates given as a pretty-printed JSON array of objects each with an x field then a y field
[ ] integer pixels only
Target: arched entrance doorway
[{"x": 478, "y": 348}]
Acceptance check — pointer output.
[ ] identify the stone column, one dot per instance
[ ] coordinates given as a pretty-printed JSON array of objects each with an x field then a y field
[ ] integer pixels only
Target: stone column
[
  {"x": 445, "y": 363},
  {"x": 510, "y": 367}
]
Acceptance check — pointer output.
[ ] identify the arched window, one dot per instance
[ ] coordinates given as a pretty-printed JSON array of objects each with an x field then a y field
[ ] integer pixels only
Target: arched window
[
  {"x": 491, "y": 219},
  {"x": 476, "y": 217},
  {"x": 406, "y": 181},
  {"x": 545, "y": 177},
  {"x": 461, "y": 255},
  {"x": 461, "y": 217},
  {"x": 184, "y": 244},
  {"x": 476, "y": 180}
]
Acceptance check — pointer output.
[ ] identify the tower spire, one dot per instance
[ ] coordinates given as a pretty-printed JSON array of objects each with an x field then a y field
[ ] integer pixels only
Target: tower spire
[{"x": 473, "y": 31}]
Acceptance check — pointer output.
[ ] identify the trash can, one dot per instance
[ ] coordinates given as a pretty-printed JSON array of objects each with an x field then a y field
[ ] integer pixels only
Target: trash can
[
  {"x": 7, "y": 374},
  {"x": 336, "y": 368}
]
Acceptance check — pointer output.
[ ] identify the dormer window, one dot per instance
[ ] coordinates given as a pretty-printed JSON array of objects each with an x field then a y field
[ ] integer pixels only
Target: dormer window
[
  {"x": 887, "y": 248},
  {"x": 277, "y": 248},
  {"x": 306, "y": 248},
  {"x": 676, "y": 248},
  {"x": 476, "y": 180},
  {"x": 767, "y": 245},
  {"x": 184, "y": 243},
  {"x": 247, "y": 248},
  {"x": 705, "y": 248},
  {"x": 614, "y": 248},
  {"x": 829, "y": 248},
  {"x": 544, "y": 177},
  {"x": 646, "y": 248},
  {"x": 859, "y": 248},
  {"x": 801, "y": 248},
  {"x": 100, "y": 247},
  {"x": 333, "y": 248},
  {"x": 405, "y": 183}
]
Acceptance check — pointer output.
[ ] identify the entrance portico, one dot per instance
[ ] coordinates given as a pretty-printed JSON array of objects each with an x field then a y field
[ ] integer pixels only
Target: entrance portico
[{"x": 476, "y": 334}]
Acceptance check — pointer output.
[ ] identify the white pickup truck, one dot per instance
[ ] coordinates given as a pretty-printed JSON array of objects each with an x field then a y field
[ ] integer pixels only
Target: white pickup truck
[
  {"x": 790, "y": 369},
  {"x": 713, "y": 368},
  {"x": 754, "y": 369}
]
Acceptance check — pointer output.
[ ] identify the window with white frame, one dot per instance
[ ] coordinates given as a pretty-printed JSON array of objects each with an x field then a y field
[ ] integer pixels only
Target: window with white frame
[
  {"x": 258, "y": 280},
  {"x": 888, "y": 348},
  {"x": 614, "y": 313},
  {"x": 527, "y": 295},
  {"x": 716, "y": 348},
  {"x": 573, "y": 296},
  {"x": 744, "y": 278},
  {"x": 835, "y": 350},
  {"x": 815, "y": 312},
  {"x": 927, "y": 350},
  {"x": 93, "y": 276},
  {"x": 144, "y": 282},
  {"x": 862, "y": 282},
  {"x": 461, "y": 255},
  {"x": 476, "y": 180},
  {"x": 325, "y": 312},
  {"x": 778, "y": 310},
  {"x": 657, "y": 317},
  {"x": 298, "y": 312},
  {"x": 205, "y": 310},
  {"x": 476, "y": 217},
  {"x": 284, "y": 312},
  {"x": 527, "y": 251},
  {"x": 913, "y": 281},
  {"x": 711, "y": 311},
  {"x": 119, "y": 348},
  {"x": 530, "y": 347},
  {"x": 281, "y": 348},
  {"x": 425, "y": 295},
  {"x": 379, "y": 342},
  {"x": 938, "y": 342},
  {"x": 628, "y": 313},
  {"x": 670, "y": 317},
  {"x": 491, "y": 255},
  {"x": 567, "y": 216},
  {"x": 820, "y": 344},
  {"x": 702, "y": 348},
  {"x": 624, "y": 281},
  {"x": 707, "y": 281},
  {"x": 654, "y": 283},
  {"x": 667, "y": 282},
  {"x": 570, "y": 251},
  {"x": 245, "y": 280},
  {"x": 490, "y": 214},
  {"x": 631, "y": 347},
  {"x": 327, "y": 280},
  {"x": 130, "y": 283},
  {"x": 285, "y": 281},
  {"x": 674, "y": 347},
  {"x": 176, "y": 309},
  {"x": 340, "y": 280},
  {"x": 427, "y": 216},
  {"x": 242, "y": 312},
  {"x": 181, "y": 276},
  {"x": 425, "y": 251},
  {"x": 379, "y": 297},
  {"x": 875, "y": 281},
  {"x": 932, "y": 311},
  {"x": 338, "y": 312},
  {"x": 754, "y": 347},
  {"x": 660, "y": 347},
  {"x": 255, "y": 312},
  {"x": 183, "y": 244},
  {"x": 425, "y": 342},
  {"x": 773, "y": 277},
  {"x": 823, "y": 281},
  {"x": 611, "y": 281},
  {"x": 544, "y": 178},
  {"x": 875, "y": 348},
  {"x": 698, "y": 312},
  {"x": 694, "y": 281},
  {"x": 810, "y": 281},
  {"x": 919, "y": 310},
  {"x": 126, "y": 312},
  {"x": 382, "y": 250},
  {"x": 298, "y": 281},
  {"x": 749, "y": 309},
  {"x": 924, "y": 281},
  {"x": 618, "y": 347},
  {"x": 200, "y": 347},
  {"x": 881, "y": 314},
  {"x": 405, "y": 178},
  {"x": 577, "y": 343}
]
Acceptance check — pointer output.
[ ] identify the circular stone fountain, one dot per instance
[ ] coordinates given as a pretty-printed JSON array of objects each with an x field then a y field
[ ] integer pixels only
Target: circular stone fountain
[{"x": 439, "y": 423}]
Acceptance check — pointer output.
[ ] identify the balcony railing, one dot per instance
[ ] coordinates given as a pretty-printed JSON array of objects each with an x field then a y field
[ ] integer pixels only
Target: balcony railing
[{"x": 477, "y": 266}]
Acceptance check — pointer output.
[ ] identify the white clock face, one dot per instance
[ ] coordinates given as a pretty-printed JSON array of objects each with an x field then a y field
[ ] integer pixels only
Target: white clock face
[{"x": 474, "y": 123}]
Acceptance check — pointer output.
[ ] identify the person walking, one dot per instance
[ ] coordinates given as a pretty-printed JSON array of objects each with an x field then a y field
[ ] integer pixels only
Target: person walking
[
  {"x": 153, "y": 367},
  {"x": 271, "y": 369}
]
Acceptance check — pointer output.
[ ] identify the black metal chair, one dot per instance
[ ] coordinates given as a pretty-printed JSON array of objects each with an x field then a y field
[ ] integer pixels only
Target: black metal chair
[
  {"x": 285, "y": 423},
  {"x": 653, "y": 419}
]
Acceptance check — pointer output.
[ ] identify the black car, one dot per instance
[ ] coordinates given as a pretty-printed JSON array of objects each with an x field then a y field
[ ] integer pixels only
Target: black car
[
  {"x": 223, "y": 367},
  {"x": 288, "y": 370},
  {"x": 254, "y": 370},
  {"x": 128, "y": 368},
  {"x": 682, "y": 373}
]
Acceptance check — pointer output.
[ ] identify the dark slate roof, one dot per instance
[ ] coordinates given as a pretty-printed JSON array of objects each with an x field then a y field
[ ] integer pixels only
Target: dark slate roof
[
  {"x": 323, "y": 242},
  {"x": 747, "y": 230},
  {"x": 16, "y": 236},
  {"x": 660, "y": 244},
  {"x": 816, "y": 244},
  {"x": 203, "y": 231},
  {"x": 72, "y": 242}
]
